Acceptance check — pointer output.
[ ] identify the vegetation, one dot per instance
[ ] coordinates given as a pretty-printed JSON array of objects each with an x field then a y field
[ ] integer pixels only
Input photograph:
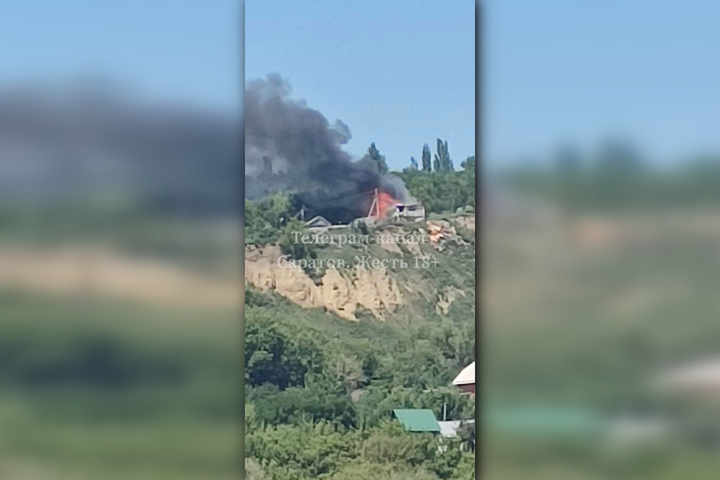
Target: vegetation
[
  {"x": 331, "y": 385},
  {"x": 384, "y": 452},
  {"x": 443, "y": 162},
  {"x": 442, "y": 190},
  {"x": 95, "y": 390},
  {"x": 616, "y": 178},
  {"x": 375, "y": 156},
  {"x": 426, "y": 158},
  {"x": 266, "y": 218},
  {"x": 320, "y": 391},
  {"x": 616, "y": 290}
]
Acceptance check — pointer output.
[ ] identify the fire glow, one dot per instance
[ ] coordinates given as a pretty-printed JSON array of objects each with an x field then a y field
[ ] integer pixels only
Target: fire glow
[
  {"x": 290, "y": 146},
  {"x": 386, "y": 203},
  {"x": 383, "y": 203}
]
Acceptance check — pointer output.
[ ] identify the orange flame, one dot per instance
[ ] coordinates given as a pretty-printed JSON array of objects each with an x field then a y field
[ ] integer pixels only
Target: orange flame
[{"x": 386, "y": 203}]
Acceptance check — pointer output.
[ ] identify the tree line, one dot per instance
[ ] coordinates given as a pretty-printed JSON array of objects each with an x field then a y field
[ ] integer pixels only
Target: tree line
[
  {"x": 438, "y": 186},
  {"x": 615, "y": 177},
  {"x": 436, "y": 183},
  {"x": 331, "y": 386}
]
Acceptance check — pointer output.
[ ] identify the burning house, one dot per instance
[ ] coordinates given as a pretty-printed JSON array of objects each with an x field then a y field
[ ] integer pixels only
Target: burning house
[
  {"x": 292, "y": 147},
  {"x": 385, "y": 206},
  {"x": 317, "y": 222},
  {"x": 413, "y": 211}
]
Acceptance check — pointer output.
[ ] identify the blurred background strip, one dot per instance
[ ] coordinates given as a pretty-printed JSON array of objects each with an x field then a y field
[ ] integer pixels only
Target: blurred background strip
[
  {"x": 601, "y": 240},
  {"x": 120, "y": 294}
]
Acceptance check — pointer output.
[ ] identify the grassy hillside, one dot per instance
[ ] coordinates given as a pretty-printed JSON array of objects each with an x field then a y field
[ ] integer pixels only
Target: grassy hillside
[{"x": 334, "y": 382}]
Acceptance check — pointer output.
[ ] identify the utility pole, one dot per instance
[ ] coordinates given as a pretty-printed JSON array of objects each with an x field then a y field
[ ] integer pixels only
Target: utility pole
[
  {"x": 377, "y": 204},
  {"x": 374, "y": 206}
]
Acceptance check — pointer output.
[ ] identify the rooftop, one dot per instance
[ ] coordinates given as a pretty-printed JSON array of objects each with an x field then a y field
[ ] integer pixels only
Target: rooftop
[
  {"x": 417, "y": 420},
  {"x": 466, "y": 376}
]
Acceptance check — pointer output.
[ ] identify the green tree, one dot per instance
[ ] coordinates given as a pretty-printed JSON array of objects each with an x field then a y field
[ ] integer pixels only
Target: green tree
[
  {"x": 443, "y": 190},
  {"x": 250, "y": 417},
  {"x": 253, "y": 470},
  {"x": 426, "y": 159},
  {"x": 413, "y": 164},
  {"x": 349, "y": 370},
  {"x": 466, "y": 432},
  {"x": 255, "y": 298},
  {"x": 374, "y": 154},
  {"x": 380, "y": 471},
  {"x": 296, "y": 405},
  {"x": 390, "y": 444},
  {"x": 466, "y": 468},
  {"x": 276, "y": 356},
  {"x": 443, "y": 162},
  {"x": 288, "y": 244},
  {"x": 302, "y": 452},
  {"x": 264, "y": 218}
]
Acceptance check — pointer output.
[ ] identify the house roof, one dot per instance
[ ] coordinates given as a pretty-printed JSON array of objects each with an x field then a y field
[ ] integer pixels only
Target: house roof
[
  {"x": 417, "y": 420},
  {"x": 318, "y": 221},
  {"x": 466, "y": 376}
]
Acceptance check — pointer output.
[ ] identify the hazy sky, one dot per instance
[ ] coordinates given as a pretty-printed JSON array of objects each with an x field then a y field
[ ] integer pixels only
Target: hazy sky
[
  {"x": 577, "y": 71},
  {"x": 188, "y": 50},
  {"x": 400, "y": 72}
]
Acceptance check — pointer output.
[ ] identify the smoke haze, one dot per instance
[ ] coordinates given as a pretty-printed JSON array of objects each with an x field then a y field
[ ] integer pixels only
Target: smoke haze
[{"x": 290, "y": 146}]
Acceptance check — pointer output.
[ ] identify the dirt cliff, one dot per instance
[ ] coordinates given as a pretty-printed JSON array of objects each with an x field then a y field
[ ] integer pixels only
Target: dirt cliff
[
  {"x": 342, "y": 293},
  {"x": 386, "y": 287}
]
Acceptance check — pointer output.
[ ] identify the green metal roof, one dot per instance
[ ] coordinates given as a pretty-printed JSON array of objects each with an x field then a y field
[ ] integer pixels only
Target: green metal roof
[{"x": 418, "y": 420}]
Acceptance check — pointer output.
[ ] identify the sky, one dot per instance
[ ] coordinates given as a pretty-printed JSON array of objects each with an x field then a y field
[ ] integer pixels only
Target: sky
[
  {"x": 186, "y": 51},
  {"x": 578, "y": 72},
  {"x": 401, "y": 72}
]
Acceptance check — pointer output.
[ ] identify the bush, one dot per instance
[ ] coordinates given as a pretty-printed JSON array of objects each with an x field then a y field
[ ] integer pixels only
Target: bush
[
  {"x": 276, "y": 356},
  {"x": 303, "y": 451},
  {"x": 295, "y": 406},
  {"x": 296, "y": 250},
  {"x": 253, "y": 470},
  {"x": 374, "y": 471},
  {"x": 266, "y": 217}
]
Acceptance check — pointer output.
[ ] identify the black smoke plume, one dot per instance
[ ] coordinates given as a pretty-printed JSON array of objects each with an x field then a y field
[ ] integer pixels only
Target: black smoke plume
[{"x": 292, "y": 147}]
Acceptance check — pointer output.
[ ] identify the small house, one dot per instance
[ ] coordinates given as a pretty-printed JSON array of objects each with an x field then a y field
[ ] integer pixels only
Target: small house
[
  {"x": 465, "y": 381},
  {"x": 318, "y": 222},
  {"x": 417, "y": 420},
  {"x": 413, "y": 211},
  {"x": 449, "y": 429}
]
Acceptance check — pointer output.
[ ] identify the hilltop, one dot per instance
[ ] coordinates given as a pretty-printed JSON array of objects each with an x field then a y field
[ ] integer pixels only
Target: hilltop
[
  {"x": 342, "y": 329},
  {"x": 395, "y": 271}
]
